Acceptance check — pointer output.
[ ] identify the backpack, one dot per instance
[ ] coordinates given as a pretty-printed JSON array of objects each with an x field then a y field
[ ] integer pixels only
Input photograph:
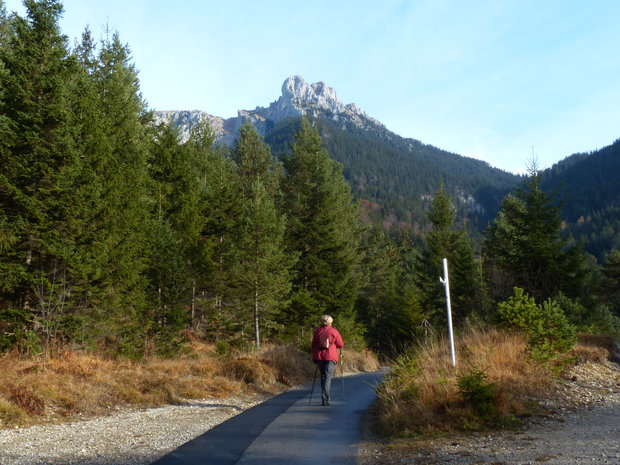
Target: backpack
[{"x": 324, "y": 340}]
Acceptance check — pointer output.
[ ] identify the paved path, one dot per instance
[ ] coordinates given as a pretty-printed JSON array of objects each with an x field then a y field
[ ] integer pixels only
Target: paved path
[{"x": 288, "y": 429}]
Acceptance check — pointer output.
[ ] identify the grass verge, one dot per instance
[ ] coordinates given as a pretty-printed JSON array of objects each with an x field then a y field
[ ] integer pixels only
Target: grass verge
[
  {"x": 76, "y": 385},
  {"x": 495, "y": 384}
]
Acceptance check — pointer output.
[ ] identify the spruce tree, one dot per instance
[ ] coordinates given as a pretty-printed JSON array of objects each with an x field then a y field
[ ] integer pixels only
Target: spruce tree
[
  {"x": 466, "y": 287},
  {"x": 324, "y": 228},
  {"x": 223, "y": 210},
  {"x": 254, "y": 161},
  {"x": 611, "y": 281},
  {"x": 388, "y": 304},
  {"x": 263, "y": 265},
  {"x": 38, "y": 162},
  {"x": 115, "y": 141},
  {"x": 173, "y": 226},
  {"x": 525, "y": 247}
]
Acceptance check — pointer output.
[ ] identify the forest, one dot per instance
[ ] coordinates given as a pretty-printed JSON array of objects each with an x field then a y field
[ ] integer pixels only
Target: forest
[{"x": 117, "y": 237}]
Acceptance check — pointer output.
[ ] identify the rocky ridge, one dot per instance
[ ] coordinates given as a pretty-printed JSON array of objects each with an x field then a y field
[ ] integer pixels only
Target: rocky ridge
[{"x": 298, "y": 98}]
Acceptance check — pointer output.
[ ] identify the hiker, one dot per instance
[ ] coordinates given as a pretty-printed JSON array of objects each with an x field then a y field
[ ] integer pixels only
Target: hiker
[{"x": 325, "y": 346}]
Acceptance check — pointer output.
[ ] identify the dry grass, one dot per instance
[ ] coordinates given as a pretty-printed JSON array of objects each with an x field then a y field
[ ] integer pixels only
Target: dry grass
[
  {"x": 421, "y": 395},
  {"x": 79, "y": 385},
  {"x": 593, "y": 348}
]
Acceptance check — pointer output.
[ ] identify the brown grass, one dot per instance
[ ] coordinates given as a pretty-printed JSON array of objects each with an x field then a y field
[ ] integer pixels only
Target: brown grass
[
  {"x": 593, "y": 348},
  {"x": 78, "y": 385},
  {"x": 421, "y": 395}
]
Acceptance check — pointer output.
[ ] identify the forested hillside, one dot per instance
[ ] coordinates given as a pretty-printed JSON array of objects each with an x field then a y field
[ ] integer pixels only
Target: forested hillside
[
  {"x": 398, "y": 177},
  {"x": 590, "y": 186},
  {"x": 119, "y": 236}
]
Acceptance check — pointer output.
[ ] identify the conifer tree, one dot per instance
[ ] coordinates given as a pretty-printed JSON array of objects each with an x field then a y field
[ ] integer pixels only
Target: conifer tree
[
  {"x": 174, "y": 225},
  {"x": 203, "y": 157},
  {"x": 466, "y": 287},
  {"x": 115, "y": 139},
  {"x": 88, "y": 132},
  {"x": 525, "y": 248},
  {"x": 180, "y": 247},
  {"x": 264, "y": 265},
  {"x": 324, "y": 228},
  {"x": 38, "y": 161},
  {"x": 388, "y": 304},
  {"x": 611, "y": 283},
  {"x": 254, "y": 161},
  {"x": 222, "y": 212}
]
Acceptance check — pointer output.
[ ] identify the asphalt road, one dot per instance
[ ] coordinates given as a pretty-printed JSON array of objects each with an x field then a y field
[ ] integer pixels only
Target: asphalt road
[{"x": 288, "y": 429}]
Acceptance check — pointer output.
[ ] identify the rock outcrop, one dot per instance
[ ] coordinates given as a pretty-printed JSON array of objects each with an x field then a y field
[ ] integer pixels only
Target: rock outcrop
[{"x": 298, "y": 98}]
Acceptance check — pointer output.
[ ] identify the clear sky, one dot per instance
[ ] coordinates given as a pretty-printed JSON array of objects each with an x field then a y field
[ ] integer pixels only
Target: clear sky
[{"x": 498, "y": 80}]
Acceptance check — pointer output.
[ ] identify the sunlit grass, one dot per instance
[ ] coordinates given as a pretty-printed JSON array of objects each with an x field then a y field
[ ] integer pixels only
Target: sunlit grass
[
  {"x": 35, "y": 390},
  {"x": 421, "y": 395}
]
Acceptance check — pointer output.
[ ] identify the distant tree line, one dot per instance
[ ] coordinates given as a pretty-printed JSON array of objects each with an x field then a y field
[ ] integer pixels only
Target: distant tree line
[{"x": 116, "y": 235}]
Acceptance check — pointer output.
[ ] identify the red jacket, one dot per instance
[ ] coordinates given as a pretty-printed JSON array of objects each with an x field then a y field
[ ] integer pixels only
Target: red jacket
[{"x": 335, "y": 343}]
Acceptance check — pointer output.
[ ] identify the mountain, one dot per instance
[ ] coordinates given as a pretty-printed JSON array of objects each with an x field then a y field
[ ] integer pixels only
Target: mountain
[
  {"x": 394, "y": 177},
  {"x": 589, "y": 185},
  {"x": 298, "y": 98}
]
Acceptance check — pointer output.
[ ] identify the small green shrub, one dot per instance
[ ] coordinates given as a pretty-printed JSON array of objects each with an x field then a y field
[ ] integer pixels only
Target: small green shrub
[
  {"x": 597, "y": 320},
  {"x": 223, "y": 348},
  {"x": 554, "y": 334},
  {"x": 548, "y": 330},
  {"x": 521, "y": 311},
  {"x": 478, "y": 393}
]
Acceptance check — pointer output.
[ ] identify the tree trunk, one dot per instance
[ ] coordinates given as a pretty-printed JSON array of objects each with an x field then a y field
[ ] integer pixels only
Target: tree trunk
[{"x": 256, "y": 331}]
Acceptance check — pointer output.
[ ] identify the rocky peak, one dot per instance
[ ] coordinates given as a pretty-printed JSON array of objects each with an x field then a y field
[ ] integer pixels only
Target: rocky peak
[
  {"x": 301, "y": 95},
  {"x": 298, "y": 98}
]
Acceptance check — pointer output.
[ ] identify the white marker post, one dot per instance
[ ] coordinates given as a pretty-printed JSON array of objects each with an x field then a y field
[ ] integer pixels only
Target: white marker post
[{"x": 446, "y": 284}]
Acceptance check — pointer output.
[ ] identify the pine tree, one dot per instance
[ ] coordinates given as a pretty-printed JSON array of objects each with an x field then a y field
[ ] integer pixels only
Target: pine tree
[
  {"x": 525, "y": 248},
  {"x": 466, "y": 288},
  {"x": 38, "y": 162},
  {"x": 324, "y": 228},
  {"x": 115, "y": 138},
  {"x": 264, "y": 265}
]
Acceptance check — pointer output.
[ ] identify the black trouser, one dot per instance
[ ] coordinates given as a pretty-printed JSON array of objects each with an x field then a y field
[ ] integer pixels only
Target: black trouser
[{"x": 327, "y": 368}]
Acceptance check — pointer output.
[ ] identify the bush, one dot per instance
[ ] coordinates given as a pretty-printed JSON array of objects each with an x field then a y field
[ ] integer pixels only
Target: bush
[
  {"x": 547, "y": 328},
  {"x": 478, "y": 393},
  {"x": 599, "y": 320}
]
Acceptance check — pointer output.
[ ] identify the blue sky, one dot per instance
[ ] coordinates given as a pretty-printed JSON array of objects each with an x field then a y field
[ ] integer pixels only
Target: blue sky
[{"x": 500, "y": 80}]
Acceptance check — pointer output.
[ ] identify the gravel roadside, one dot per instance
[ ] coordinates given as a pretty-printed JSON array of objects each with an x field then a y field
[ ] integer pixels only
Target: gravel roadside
[
  {"x": 582, "y": 426},
  {"x": 123, "y": 438}
]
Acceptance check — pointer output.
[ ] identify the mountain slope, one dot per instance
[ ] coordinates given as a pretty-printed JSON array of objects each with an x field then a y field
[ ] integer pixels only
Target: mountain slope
[
  {"x": 398, "y": 177},
  {"x": 590, "y": 186},
  {"x": 394, "y": 177}
]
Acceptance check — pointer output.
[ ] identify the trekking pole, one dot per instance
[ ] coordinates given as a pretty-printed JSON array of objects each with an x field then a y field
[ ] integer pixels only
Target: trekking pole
[
  {"x": 313, "y": 381},
  {"x": 342, "y": 373}
]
